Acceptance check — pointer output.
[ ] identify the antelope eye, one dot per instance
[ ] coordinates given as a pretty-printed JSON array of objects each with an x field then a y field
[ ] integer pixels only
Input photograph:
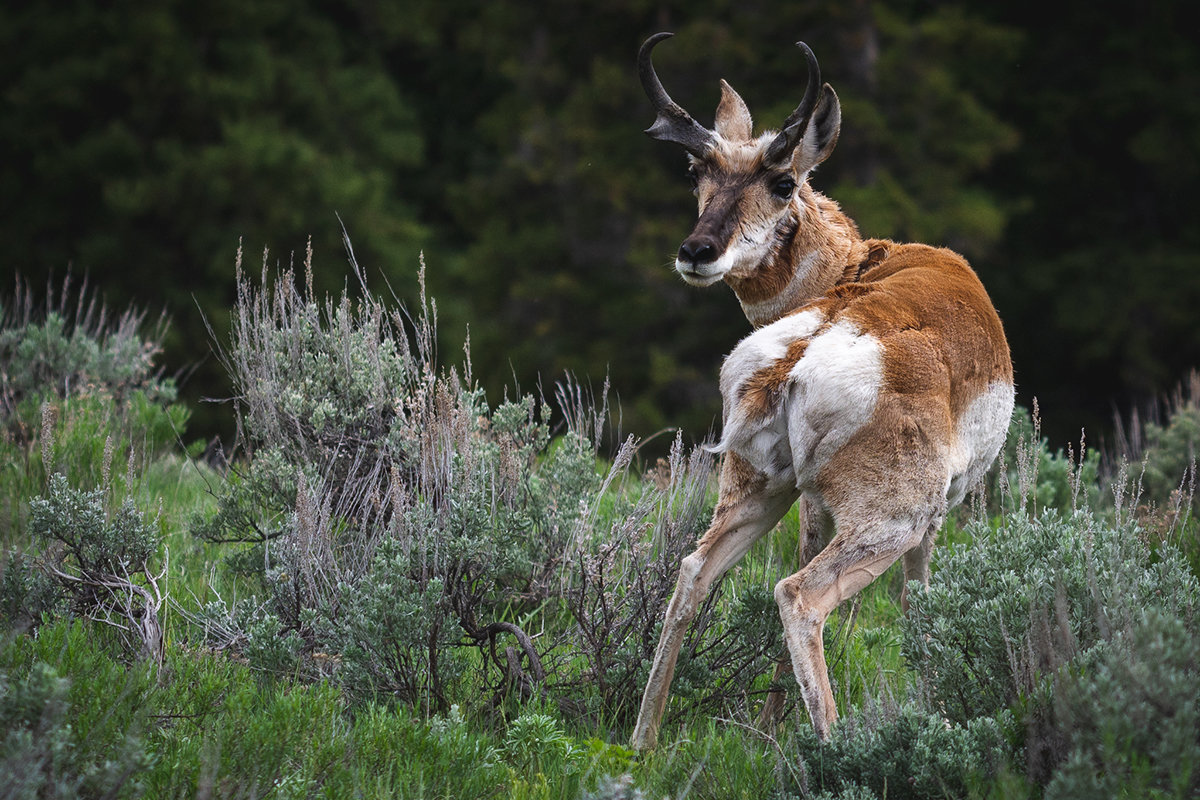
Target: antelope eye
[
  {"x": 694, "y": 177},
  {"x": 784, "y": 187}
]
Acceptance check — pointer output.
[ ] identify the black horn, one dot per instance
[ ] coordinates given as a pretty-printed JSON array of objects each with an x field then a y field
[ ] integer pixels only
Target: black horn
[
  {"x": 796, "y": 124},
  {"x": 673, "y": 124}
]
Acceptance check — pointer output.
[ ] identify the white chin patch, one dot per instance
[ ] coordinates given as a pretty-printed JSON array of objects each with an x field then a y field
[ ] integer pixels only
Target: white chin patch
[
  {"x": 704, "y": 275},
  {"x": 741, "y": 257}
]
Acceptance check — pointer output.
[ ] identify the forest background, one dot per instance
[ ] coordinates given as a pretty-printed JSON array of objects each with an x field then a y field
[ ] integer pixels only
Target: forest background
[{"x": 1056, "y": 145}]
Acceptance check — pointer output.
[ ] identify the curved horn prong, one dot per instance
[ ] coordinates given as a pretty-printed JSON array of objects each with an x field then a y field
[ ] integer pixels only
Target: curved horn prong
[
  {"x": 796, "y": 124},
  {"x": 673, "y": 124}
]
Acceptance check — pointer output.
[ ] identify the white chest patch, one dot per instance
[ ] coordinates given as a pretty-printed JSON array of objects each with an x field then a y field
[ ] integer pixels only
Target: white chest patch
[
  {"x": 826, "y": 396},
  {"x": 764, "y": 348}
]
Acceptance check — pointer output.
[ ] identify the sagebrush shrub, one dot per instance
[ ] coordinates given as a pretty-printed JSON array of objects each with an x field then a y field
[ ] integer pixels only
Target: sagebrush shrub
[
  {"x": 899, "y": 751},
  {"x": 102, "y": 560},
  {"x": 848, "y": 792},
  {"x": 1129, "y": 713},
  {"x": 26, "y": 592},
  {"x": 67, "y": 348},
  {"x": 414, "y": 623},
  {"x": 33, "y": 710},
  {"x": 1025, "y": 598},
  {"x": 59, "y": 352},
  {"x": 80, "y": 395},
  {"x": 99, "y": 541},
  {"x": 394, "y": 513},
  {"x": 1011, "y": 617}
]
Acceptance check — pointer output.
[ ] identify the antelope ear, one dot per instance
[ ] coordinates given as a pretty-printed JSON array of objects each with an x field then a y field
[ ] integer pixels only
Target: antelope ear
[
  {"x": 734, "y": 123},
  {"x": 821, "y": 135}
]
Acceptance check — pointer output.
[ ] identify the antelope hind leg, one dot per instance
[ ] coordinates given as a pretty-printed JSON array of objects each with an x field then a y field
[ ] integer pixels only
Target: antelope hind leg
[
  {"x": 916, "y": 568},
  {"x": 815, "y": 528},
  {"x": 850, "y": 562},
  {"x": 772, "y": 708}
]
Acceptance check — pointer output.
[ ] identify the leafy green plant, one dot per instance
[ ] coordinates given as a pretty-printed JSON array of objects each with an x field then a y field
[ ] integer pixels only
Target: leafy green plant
[{"x": 536, "y": 743}]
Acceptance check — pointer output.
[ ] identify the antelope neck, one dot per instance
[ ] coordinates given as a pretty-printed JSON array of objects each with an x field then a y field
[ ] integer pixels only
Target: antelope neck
[{"x": 807, "y": 275}]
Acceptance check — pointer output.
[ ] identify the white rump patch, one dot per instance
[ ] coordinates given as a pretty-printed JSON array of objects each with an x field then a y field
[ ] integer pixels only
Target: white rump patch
[{"x": 979, "y": 436}]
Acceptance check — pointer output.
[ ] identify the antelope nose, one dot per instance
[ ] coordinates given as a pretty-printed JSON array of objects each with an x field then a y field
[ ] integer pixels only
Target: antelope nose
[{"x": 698, "y": 250}]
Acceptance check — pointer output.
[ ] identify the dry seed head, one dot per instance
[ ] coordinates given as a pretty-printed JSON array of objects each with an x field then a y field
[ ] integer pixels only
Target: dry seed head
[
  {"x": 106, "y": 464},
  {"x": 49, "y": 419}
]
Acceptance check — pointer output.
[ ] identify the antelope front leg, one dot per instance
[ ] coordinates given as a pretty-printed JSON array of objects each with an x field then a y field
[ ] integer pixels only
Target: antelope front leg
[{"x": 736, "y": 526}]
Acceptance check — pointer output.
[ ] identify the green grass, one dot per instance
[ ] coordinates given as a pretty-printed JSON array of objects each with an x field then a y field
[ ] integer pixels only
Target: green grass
[
  {"x": 206, "y": 721},
  {"x": 206, "y": 724}
]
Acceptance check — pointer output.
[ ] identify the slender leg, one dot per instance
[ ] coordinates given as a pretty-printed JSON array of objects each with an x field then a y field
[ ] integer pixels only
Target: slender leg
[
  {"x": 852, "y": 560},
  {"x": 815, "y": 528},
  {"x": 772, "y": 708},
  {"x": 916, "y": 563},
  {"x": 916, "y": 568},
  {"x": 817, "y": 531},
  {"x": 736, "y": 526}
]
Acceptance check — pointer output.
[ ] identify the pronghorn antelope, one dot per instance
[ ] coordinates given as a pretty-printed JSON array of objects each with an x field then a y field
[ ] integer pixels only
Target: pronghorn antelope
[{"x": 877, "y": 381}]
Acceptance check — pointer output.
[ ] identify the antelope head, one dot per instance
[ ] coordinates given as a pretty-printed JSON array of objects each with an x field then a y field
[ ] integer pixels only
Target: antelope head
[{"x": 752, "y": 191}]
